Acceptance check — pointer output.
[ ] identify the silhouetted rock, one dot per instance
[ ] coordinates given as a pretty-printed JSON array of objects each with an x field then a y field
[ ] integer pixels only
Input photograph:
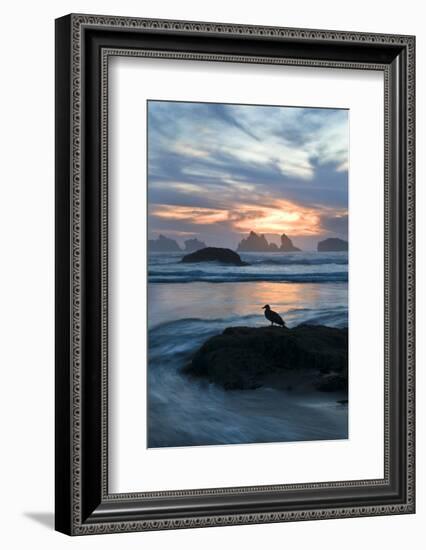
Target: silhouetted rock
[
  {"x": 287, "y": 245},
  {"x": 258, "y": 243},
  {"x": 254, "y": 243},
  {"x": 246, "y": 358},
  {"x": 212, "y": 254},
  {"x": 192, "y": 245},
  {"x": 163, "y": 244},
  {"x": 333, "y": 245}
]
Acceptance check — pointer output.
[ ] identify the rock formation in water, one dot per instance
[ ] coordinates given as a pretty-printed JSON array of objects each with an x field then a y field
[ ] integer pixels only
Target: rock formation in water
[
  {"x": 258, "y": 243},
  {"x": 254, "y": 243},
  {"x": 212, "y": 254},
  {"x": 287, "y": 245},
  {"x": 333, "y": 245},
  {"x": 244, "y": 358},
  {"x": 192, "y": 245},
  {"x": 163, "y": 244}
]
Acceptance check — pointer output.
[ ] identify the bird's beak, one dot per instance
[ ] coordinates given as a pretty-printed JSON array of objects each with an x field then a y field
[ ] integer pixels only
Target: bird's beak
[{"x": 263, "y": 307}]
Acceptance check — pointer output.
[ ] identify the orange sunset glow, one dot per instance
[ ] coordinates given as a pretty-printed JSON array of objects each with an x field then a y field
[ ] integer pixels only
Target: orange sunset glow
[
  {"x": 279, "y": 216},
  {"x": 200, "y": 216}
]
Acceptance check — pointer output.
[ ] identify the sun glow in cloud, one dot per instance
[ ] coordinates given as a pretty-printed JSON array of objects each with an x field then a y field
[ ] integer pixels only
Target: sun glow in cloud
[
  {"x": 195, "y": 215},
  {"x": 277, "y": 217},
  {"x": 282, "y": 217}
]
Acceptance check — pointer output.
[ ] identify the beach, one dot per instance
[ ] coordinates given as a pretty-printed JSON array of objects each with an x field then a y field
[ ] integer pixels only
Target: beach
[{"x": 188, "y": 304}]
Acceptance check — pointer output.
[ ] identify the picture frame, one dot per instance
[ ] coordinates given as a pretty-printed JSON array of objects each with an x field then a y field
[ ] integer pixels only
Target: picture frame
[{"x": 84, "y": 505}]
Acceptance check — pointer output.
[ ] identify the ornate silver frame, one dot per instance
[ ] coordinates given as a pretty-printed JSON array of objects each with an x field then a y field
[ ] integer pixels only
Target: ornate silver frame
[{"x": 84, "y": 506}]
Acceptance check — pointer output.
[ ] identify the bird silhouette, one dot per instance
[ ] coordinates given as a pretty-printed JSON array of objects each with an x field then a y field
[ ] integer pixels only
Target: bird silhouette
[{"x": 273, "y": 316}]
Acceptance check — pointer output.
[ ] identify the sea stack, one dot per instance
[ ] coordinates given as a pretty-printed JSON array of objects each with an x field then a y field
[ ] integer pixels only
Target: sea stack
[
  {"x": 258, "y": 243},
  {"x": 254, "y": 243},
  {"x": 287, "y": 245},
  {"x": 192, "y": 245},
  {"x": 163, "y": 244}
]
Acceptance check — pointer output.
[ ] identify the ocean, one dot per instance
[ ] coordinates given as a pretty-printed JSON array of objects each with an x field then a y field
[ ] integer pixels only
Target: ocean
[{"x": 189, "y": 303}]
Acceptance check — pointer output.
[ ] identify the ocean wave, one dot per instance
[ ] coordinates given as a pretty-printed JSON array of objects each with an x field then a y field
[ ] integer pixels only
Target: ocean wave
[
  {"x": 188, "y": 323},
  {"x": 186, "y": 412},
  {"x": 190, "y": 326},
  {"x": 301, "y": 261},
  {"x": 254, "y": 261},
  {"x": 232, "y": 277}
]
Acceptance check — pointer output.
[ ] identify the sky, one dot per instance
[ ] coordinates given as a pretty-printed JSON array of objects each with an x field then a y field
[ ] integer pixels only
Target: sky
[{"x": 218, "y": 171}]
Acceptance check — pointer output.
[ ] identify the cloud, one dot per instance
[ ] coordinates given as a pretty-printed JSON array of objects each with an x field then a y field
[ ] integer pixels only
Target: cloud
[
  {"x": 225, "y": 113},
  {"x": 273, "y": 216},
  {"x": 335, "y": 224},
  {"x": 195, "y": 215},
  {"x": 235, "y": 167},
  {"x": 188, "y": 150},
  {"x": 280, "y": 217},
  {"x": 204, "y": 147}
]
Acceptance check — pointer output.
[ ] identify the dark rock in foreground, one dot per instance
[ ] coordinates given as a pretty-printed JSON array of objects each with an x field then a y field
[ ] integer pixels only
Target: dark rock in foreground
[
  {"x": 247, "y": 358},
  {"x": 163, "y": 244},
  {"x": 212, "y": 254},
  {"x": 333, "y": 245}
]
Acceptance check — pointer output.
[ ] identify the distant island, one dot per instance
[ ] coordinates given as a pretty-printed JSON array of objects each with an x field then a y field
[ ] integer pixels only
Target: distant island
[
  {"x": 258, "y": 243},
  {"x": 333, "y": 245},
  {"x": 192, "y": 245},
  {"x": 163, "y": 244}
]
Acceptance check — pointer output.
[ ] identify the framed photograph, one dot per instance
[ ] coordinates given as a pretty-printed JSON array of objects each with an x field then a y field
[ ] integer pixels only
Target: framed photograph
[{"x": 234, "y": 274}]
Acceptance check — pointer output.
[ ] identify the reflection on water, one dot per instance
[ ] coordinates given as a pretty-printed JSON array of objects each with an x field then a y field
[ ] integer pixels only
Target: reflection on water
[{"x": 170, "y": 302}]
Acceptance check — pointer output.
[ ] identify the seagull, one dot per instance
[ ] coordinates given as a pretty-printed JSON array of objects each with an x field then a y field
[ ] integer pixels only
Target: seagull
[{"x": 273, "y": 316}]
